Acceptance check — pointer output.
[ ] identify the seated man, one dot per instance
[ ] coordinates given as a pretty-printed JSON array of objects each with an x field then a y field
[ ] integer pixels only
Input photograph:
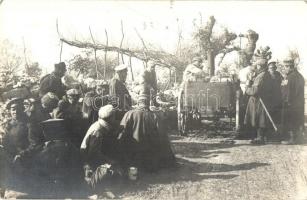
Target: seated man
[
  {"x": 69, "y": 109},
  {"x": 194, "y": 70},
  {"x": 15, "y": 140},
  {"x": 144, "y": 144},
  {"x": 99, "y": 149}
]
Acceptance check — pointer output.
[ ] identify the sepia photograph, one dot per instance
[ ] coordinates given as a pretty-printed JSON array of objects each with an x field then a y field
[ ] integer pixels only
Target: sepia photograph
[{"x": 144, "y": 99}]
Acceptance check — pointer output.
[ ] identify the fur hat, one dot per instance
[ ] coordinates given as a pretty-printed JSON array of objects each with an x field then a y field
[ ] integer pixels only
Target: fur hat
[
  {"x": 288, "y": 61},
  {"x": 14, "y": 102},
  {"x": 50, "y": 100}
]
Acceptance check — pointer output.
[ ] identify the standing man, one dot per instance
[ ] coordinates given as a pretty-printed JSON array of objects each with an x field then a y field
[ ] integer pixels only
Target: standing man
[
  {"x": 277, "y": 97},
  {"x": 294, "y": 101},
  {"x": 149, "y": 78},
  {"x": 119, "y": 94},
  {"x": 52, "y": 82},
  {"x": 94, "y": 100},
  {"x": 69, "y": 109},
  {"x": 193, "y": 70},
  {"x": 260, "y": 89}
]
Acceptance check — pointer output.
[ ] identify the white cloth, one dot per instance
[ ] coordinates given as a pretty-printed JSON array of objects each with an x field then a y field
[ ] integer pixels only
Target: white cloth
[
  {"x": 191, "y": 72},
  {"x": 244, "y": 75},
  {"x": 94, "y": 129}
]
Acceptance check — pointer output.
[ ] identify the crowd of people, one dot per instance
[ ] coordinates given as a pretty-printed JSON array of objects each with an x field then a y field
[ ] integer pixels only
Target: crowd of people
[
  {"x": 105, "y": 137},
  {"x": 100, "y": 139}
]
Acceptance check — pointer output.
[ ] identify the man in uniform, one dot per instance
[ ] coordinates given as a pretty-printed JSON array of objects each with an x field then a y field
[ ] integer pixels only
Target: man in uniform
[
  {"x": 40, "y": 112},
  {"x": 193, "y": 70},
  {"x": 149, "y": 78},
  {"x": 94, "y": 100},
  {"x": 143, "y": 141},
  {"x": 119, "y": 94},
  {"x": 294, "y": 101},
  {"x": 69, "y": 109},
  {"x": 15, "y": 139},
  {"x": 98, "y": 149},
  {"x": 277, "y": 97},
  {"x": 260, "y": 90},
  {"x": 52, "y": 82}
]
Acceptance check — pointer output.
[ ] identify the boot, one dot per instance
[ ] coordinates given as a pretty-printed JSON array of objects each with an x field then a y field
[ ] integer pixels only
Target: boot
[
  {"x": 260, "y": 140},
  {"x": 291, "y": 140}
]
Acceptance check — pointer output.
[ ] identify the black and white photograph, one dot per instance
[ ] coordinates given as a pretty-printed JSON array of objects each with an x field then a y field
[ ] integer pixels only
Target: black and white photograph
[{"x": 144, "y": 99}]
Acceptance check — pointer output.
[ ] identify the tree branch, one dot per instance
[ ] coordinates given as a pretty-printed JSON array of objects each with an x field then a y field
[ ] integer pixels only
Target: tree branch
[{"x": 96, "y": 65}]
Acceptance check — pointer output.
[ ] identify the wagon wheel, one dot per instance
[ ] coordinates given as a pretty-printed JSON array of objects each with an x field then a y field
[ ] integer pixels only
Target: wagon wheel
[{"x": 182, "y": 115}]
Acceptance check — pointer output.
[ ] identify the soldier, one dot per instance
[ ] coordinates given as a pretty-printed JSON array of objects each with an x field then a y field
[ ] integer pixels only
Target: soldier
[
  {"x": 94, "y": 100},
  {"x": 260, "y": 89},
  {"x": 143, "y": 142},
  {"x": 52, "y": 82},
  {"x": 69, "y": 109},
  {"x": 149, "y": 78},
  {"x": 294, "y": 101},
  {"x": 277, "y": 97},
  {"x": 40, "y": 112},
  {"x": 98, "y": 149},
  {"x": 119, "y": 94},
  {"x": 193, "y": 70}
]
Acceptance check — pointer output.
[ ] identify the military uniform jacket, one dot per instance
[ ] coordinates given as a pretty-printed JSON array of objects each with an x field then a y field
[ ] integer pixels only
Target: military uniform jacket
[
  {"x": 119, "y": 93},
  {"x": 261, "y": 88},
  {"x": 52, "y": 83}
]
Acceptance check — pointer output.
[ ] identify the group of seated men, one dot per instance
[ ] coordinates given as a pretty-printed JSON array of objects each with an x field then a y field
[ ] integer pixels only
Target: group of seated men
[{"x": 105, "y": 136}]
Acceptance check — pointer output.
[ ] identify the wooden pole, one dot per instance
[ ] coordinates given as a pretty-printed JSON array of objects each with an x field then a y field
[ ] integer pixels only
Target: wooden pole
[
  {"x": 121, "y": 42},
  {"x": 96, "y": 64},
  {"x": 105, "y": 54},
  {"x": 61, "y": 51},
  {"x": 130, "y": 65}
]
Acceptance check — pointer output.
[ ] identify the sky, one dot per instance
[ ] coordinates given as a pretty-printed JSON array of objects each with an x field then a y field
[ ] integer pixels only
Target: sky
[{"x": 280, "y": 24}]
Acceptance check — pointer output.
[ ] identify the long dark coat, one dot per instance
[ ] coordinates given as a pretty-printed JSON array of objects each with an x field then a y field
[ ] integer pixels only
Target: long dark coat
[
  {"x": 51, "y": 83},
  {"x": 144, "y": 142},
  {"x": 294, "y": 98},
  {"x": 261, "y": 88}
]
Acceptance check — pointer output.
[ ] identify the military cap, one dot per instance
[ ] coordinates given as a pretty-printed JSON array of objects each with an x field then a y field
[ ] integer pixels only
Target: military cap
[
  {"x": 106, "y": 111},
  {"x": 14, "y": 102},
  {"x": 50, "y": 100},
  {"x": 73, "y": 92},
  {"x": 59, "y": 66},
  {"x": 121, "y": 67},
  {"x": 54, "y": 129}
]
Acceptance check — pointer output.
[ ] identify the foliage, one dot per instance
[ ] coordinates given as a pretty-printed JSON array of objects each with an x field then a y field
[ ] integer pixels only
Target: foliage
[{"x": 84, "y": 65}]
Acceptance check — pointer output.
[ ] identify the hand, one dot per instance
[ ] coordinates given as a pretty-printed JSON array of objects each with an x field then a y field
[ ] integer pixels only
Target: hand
[{"x": 17, "y": 158}]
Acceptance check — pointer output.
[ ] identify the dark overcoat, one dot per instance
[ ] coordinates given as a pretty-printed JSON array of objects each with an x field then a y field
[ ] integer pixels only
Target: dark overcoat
[
  {"x": 262, "y": 87},
  {"x": 51, "y": 83},
  {"x": 294, "y": 98}
]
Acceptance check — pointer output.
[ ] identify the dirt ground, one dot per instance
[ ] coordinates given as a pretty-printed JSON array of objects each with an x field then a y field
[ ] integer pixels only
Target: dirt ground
[{"x": 219, "y": 168}]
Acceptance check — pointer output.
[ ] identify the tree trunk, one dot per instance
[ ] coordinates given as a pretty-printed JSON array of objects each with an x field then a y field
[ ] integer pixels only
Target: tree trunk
[{"x": 211, "y": 64}]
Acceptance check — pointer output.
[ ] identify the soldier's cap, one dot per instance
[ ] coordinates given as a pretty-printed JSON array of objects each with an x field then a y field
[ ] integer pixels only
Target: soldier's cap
[
  {"x": 73, "y": 92},
  {"x": 272, "y": 62},
  {"x": 60, "y": 65},
  {"x": 28, "y": 101},
  {"x": 288, "y": 61},
  {"x": 260, "y": 61},
  {"x": 197, "y": 58},
  {"x": 106, "y": 111},
  {"x": 50, "y": 100},
  {"x": 120, "y": 67},
  {"x": 13, "y": 103}
]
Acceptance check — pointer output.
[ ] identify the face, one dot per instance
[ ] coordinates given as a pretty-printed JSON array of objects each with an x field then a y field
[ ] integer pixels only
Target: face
[
  {"x": 123, "y": 75},
  {"x": 272, "y": 68},
  {"x": 197, "y": 62},
  {"x": 73, "y": 99},
  {"x": 288, "y": 68},
  {"x": 15, "y": 111}
]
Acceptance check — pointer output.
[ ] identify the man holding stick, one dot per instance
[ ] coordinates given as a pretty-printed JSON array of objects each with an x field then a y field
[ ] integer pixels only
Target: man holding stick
[{"x": 260, "y": 101}]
